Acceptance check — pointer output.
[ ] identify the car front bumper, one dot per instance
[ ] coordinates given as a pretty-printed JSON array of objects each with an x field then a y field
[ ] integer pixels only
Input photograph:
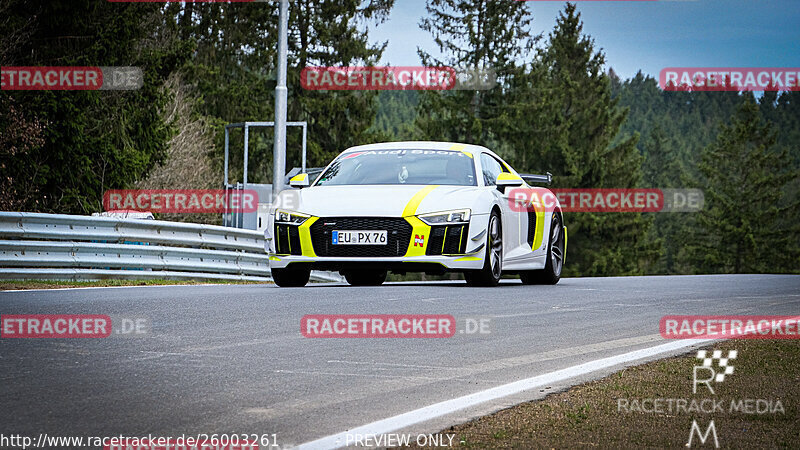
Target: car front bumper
[{"x": 417, "y": 258}]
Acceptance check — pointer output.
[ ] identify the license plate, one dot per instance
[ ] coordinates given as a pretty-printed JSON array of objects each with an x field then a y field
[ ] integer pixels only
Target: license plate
[{"x": 359, "y": 237}]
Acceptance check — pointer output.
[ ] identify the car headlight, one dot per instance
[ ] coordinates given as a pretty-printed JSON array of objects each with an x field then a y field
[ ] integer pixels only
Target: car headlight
[
  {"x": 290, "y": 217},
  {"x": 446, "y": 217}
]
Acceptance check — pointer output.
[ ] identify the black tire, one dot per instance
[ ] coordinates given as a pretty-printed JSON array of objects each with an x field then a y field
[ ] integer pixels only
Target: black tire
[
  {"x": 489, "y": 275},
  {"x": 291, "y": 277},
  {"x": 555, "y": 258},
  {"x": 366, "y": 277}
]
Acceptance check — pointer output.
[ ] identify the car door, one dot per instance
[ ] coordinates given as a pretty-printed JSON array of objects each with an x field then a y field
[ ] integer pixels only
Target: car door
[{"x": 514, "y": 223}]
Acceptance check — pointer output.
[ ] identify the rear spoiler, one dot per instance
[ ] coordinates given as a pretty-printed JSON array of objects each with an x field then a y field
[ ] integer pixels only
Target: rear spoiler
[{"x": 537, "y": 179}]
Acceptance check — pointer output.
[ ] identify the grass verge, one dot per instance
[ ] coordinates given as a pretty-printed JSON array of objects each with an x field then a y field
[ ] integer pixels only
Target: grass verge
[
  {"x": 591, "y": 416},
  {"x": 11, "y": 285}
]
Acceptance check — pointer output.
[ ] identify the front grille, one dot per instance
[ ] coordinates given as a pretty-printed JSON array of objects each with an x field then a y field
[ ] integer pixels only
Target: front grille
[
  {"x": 287, "y": 240},
  {"x": 398, "y": 236},
  {"x": 447, "y": 240}
]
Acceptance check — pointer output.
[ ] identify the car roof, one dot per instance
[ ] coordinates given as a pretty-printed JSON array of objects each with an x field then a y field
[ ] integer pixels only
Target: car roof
[{"x": 420, "y": 145}]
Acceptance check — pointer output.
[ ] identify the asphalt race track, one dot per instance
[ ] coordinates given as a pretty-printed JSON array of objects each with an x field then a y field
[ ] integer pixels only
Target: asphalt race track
[{"x": 231, "y": 359}]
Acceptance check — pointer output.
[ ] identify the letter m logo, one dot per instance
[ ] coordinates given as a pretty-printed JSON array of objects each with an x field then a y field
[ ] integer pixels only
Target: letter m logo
[{"x": 711, "y": 429}]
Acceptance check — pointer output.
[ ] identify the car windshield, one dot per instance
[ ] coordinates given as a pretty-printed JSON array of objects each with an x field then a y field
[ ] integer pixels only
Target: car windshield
[{"x": 401, "y": 167}]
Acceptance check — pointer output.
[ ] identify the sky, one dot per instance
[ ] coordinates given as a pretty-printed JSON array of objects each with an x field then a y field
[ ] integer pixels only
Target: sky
[{"x": 644, "y": 35}]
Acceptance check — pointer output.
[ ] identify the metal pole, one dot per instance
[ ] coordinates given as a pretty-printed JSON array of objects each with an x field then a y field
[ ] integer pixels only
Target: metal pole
[
  {"x": 227, "y": 218},
  {"x": 305, "y": 134},
  {"x": 227, "y": 142},
  {"x": 246, "y": 151},
  {"x": 281, "y": 94}
]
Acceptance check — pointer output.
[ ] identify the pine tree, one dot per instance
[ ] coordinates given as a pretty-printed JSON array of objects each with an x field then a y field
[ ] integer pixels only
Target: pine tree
[
  {"x": 234, "y": 72},
  {"x": 86, "y": 141},
  {"x": 582, "y": 146},
  {"x": 662, "y": 169},
  {"x": 473, "y": 34},
  {"x": 744, "y": 228},
  {"x": 331, "y": 33}
]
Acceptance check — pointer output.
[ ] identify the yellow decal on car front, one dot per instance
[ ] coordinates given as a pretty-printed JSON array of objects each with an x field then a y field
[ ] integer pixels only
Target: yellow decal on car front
[
  {"x": 421, "y": 231},
  {"x": 419, "y": 237},
  {"x": 469, "y": 258},
  {"x": 305, "y": 237}
]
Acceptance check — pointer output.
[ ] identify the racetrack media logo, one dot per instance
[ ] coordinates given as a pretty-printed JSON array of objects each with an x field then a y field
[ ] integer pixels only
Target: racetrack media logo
[
  {"x": 181, "y": 200},
  {"x": 718, "y": 372},
  {"x": 732, "y": 79},
  {"x": 70, "y": 78},
  {"x": 713, "y": 369}
]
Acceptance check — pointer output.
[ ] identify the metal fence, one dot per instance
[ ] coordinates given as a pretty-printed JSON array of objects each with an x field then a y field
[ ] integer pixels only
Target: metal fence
[{"x": 65, "y": 247}]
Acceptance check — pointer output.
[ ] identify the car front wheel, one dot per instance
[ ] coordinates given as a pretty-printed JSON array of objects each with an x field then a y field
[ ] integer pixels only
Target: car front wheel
[{"x": 291, "y": 277}]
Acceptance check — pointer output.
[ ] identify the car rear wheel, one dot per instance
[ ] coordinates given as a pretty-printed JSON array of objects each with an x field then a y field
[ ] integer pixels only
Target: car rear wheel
[
  {"x": 489, "y": 276},
  {"x": 555, "y": 258},
  {"x": 366, "y": 277},
  {"x": 291, "y": 277}
]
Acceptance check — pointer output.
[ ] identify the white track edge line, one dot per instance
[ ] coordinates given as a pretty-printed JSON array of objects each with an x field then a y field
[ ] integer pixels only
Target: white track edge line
[
  {"x": 117, "y": 287},
  {"x": 449, "y": 406}
]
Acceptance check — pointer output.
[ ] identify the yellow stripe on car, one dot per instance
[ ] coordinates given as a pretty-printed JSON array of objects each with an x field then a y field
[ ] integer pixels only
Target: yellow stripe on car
[
  {"x": 299, "y": 178},
  {"x": 305, "y": 237},
  {"x": 461, "y": 148},
  {"x": 507, "y": 176},
  {"x": 413, "y": 204},
  {"x": 539, "y": 236},
  {"x": 469, "y": 258},
  {"x": 420, "y": 230}
]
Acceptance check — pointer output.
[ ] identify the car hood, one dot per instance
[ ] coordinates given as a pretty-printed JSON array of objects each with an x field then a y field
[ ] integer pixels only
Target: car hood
[{"x": 377, "y": 201}]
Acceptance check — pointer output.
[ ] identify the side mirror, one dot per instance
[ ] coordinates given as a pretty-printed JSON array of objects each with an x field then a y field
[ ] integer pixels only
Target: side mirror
[
  {"x": 300, "y": 181},
  {"x": 507, "y": 179}
]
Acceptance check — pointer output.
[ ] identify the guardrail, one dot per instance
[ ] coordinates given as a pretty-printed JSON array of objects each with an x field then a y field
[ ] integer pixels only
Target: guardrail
[{"x": 57, "y": 246}]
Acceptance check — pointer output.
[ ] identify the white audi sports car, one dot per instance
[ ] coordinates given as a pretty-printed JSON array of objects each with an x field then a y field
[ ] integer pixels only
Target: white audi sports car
[{"x": 428, "y": 207}]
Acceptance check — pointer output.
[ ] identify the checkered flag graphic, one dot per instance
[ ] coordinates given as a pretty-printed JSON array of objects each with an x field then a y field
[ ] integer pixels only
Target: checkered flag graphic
[{"x": 708, "y": 361}]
